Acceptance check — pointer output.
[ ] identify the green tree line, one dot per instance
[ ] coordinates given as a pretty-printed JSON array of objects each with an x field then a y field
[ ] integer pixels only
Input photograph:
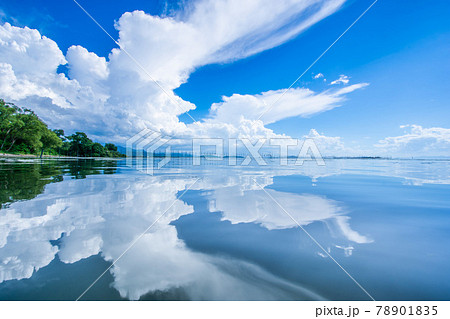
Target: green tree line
[{"x": 23, "y": 132}]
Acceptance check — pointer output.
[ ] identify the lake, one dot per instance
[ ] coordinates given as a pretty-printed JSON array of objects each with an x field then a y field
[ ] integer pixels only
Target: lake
[{"x": 219, "y": 232}]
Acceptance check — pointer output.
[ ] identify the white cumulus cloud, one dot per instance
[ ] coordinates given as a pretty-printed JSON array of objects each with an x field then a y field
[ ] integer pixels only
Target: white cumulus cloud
[
  {"x": 343, "y": 79},
  {"x": 418, "y": 141},
  {"x": 318, "y": 76},
  {"x": 328, "y": 145},
  {"x": 113, "y": 98}
]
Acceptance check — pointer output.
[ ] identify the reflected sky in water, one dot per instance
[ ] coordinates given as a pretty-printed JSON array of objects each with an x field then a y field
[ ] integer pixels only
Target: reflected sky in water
[{"x": 62, "y": 223}]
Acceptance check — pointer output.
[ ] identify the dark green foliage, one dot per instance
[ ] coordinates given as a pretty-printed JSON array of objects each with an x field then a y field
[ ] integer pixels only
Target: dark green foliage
[
  {"x": 26, "y": 180},
  {"x": 111, "y": 147},
  {"x": 80, "y": 144},
  {"x": 98, "y": 150},
  {"x": 23, "y": 132},
  {"x": 50, "y": 140},
  {"x": 20, "y": 129}
]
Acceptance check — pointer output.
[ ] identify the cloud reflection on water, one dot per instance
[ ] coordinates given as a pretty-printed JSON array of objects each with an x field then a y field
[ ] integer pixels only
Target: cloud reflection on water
[{"x": 105, "y": 214}]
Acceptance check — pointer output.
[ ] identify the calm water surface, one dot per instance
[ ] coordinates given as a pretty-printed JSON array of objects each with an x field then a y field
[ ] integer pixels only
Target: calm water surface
[{"x": 63, "y": 223}]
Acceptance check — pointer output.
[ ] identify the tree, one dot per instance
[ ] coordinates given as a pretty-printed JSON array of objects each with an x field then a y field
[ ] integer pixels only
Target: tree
[
  {"x": 31, "y": 132},
  {"x": 9, "y": 121},
  {"x": 22, "y": 131},
  {"x": 60, "y": 134},
  {"x": 49, "y": 139},
  {"x": 111, "y": 147},
  {"x": 98, "y": 150},
  {"x": 65, "y": 148},
  {"x": 80, "y": 144}
]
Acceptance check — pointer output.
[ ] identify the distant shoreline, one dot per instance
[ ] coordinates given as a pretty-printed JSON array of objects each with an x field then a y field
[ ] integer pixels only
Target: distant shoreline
[
  {"x": 32, "y": 156},
  {"x": 63, "y": 157}
]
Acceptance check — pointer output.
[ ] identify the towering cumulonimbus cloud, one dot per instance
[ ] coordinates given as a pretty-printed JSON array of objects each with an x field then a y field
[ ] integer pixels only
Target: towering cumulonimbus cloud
[{"x": 112, "y": 98}]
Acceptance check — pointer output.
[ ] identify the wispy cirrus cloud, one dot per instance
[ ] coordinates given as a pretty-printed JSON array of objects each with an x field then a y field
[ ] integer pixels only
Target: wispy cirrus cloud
[{"x": 301, "y": 102}]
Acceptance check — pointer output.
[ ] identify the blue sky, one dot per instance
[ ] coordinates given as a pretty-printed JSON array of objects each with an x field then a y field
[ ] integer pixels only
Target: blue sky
[{"x": 400, "y": 48}]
